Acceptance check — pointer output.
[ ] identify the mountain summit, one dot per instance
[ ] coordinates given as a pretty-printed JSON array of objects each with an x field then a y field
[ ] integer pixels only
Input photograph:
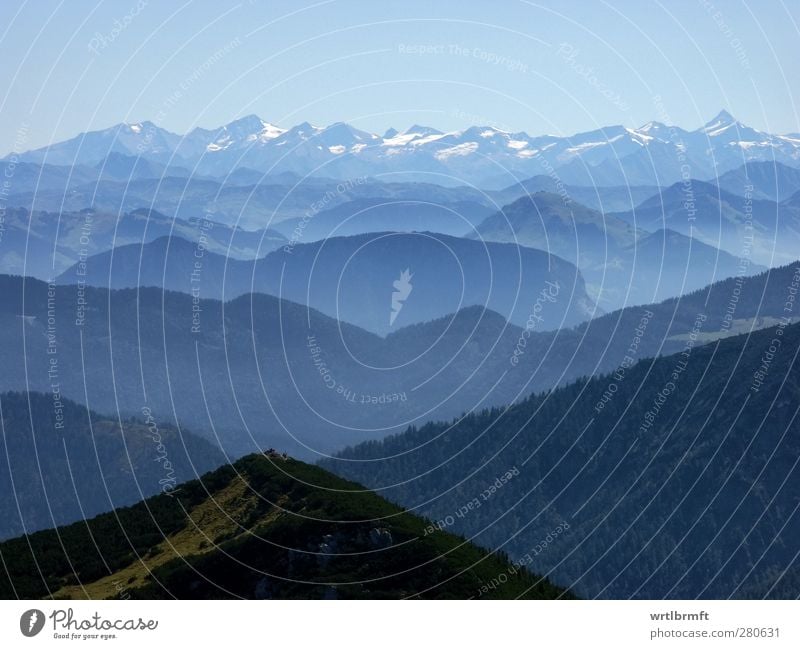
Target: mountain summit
[{"x": 722, "y": 121}]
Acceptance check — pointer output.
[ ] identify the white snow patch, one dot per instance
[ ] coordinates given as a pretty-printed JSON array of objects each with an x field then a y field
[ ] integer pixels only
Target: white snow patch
[
  {"x": 585, "y": 146},
  {"x": 750, "y": 145},
  {"x": 458, "y": 150},
  {"x": 220, "y": 145},
  {"x": 400, "y": 139},
  {"x": 639, "y": 138},
  {"x": 270, "y": 132},
  {"x": 649, "y": 127},
  {"x": 428, "y": 138},
  {"x": 788, "y": 138},
  {"x": 517, "y": 144},
  {"x": 717, "y": 128}
]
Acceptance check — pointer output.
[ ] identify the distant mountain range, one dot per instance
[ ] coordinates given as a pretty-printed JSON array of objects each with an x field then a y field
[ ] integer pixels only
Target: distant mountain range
[
  {"x": 623, "y": 265},
  {"x": 266, "y": 527},
  {"x": 654, "y": 154},
  {"x": 44, "y": 244},
  {"x": 353, "y": 279},
  {"x": 760, "y": 230},
  {"x": 262, "y": 203},
  {"x": 663, "y": 265},
  {"x": 364, "y": 215},
  {"x": 570, "y": 230},
  {"x": 766, "y": 180}
]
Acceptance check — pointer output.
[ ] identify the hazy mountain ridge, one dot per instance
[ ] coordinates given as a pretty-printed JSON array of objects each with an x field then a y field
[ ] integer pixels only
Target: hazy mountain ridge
[
  {"x": 353, "y": 278},
  {"x": 45, "y": 244},
  {"x": 60, "y": 463},
  {"x": 762, "y": 230},
  {"x": 624, "y": 265},
  {"x": 769, "y": 180},
  {"x": 266, "y": 359},
  {"x": 365, "y": 215}
]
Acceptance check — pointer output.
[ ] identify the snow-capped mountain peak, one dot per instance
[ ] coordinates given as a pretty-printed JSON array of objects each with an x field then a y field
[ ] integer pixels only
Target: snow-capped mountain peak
[
  {"x": 415, "y": 135},
  {"x": 651, "y": 127},
  {"x": 651, "y": 154},
  {"x": 422, "y": 130},
  {"x": 640, "y": 137},
  {"x": 243, "y": 132},
  {"x": 720, "y": 123},
  {"x": 659, "y": 131}
]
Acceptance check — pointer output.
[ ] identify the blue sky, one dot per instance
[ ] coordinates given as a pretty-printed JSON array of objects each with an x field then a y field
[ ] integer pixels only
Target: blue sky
[{"x": 541, "y": 67}]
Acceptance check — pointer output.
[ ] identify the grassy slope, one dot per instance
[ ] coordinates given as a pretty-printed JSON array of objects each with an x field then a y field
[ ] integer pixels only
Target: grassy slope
[{"x": 258, "y": 529}]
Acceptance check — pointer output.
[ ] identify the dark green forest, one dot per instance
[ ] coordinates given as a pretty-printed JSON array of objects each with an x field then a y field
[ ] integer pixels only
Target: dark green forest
[{"x": 676, "y": 476}]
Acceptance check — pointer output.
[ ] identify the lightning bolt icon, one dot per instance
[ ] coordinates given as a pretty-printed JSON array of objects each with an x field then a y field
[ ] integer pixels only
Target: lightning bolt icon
[{"x": 33, "y": 620}]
